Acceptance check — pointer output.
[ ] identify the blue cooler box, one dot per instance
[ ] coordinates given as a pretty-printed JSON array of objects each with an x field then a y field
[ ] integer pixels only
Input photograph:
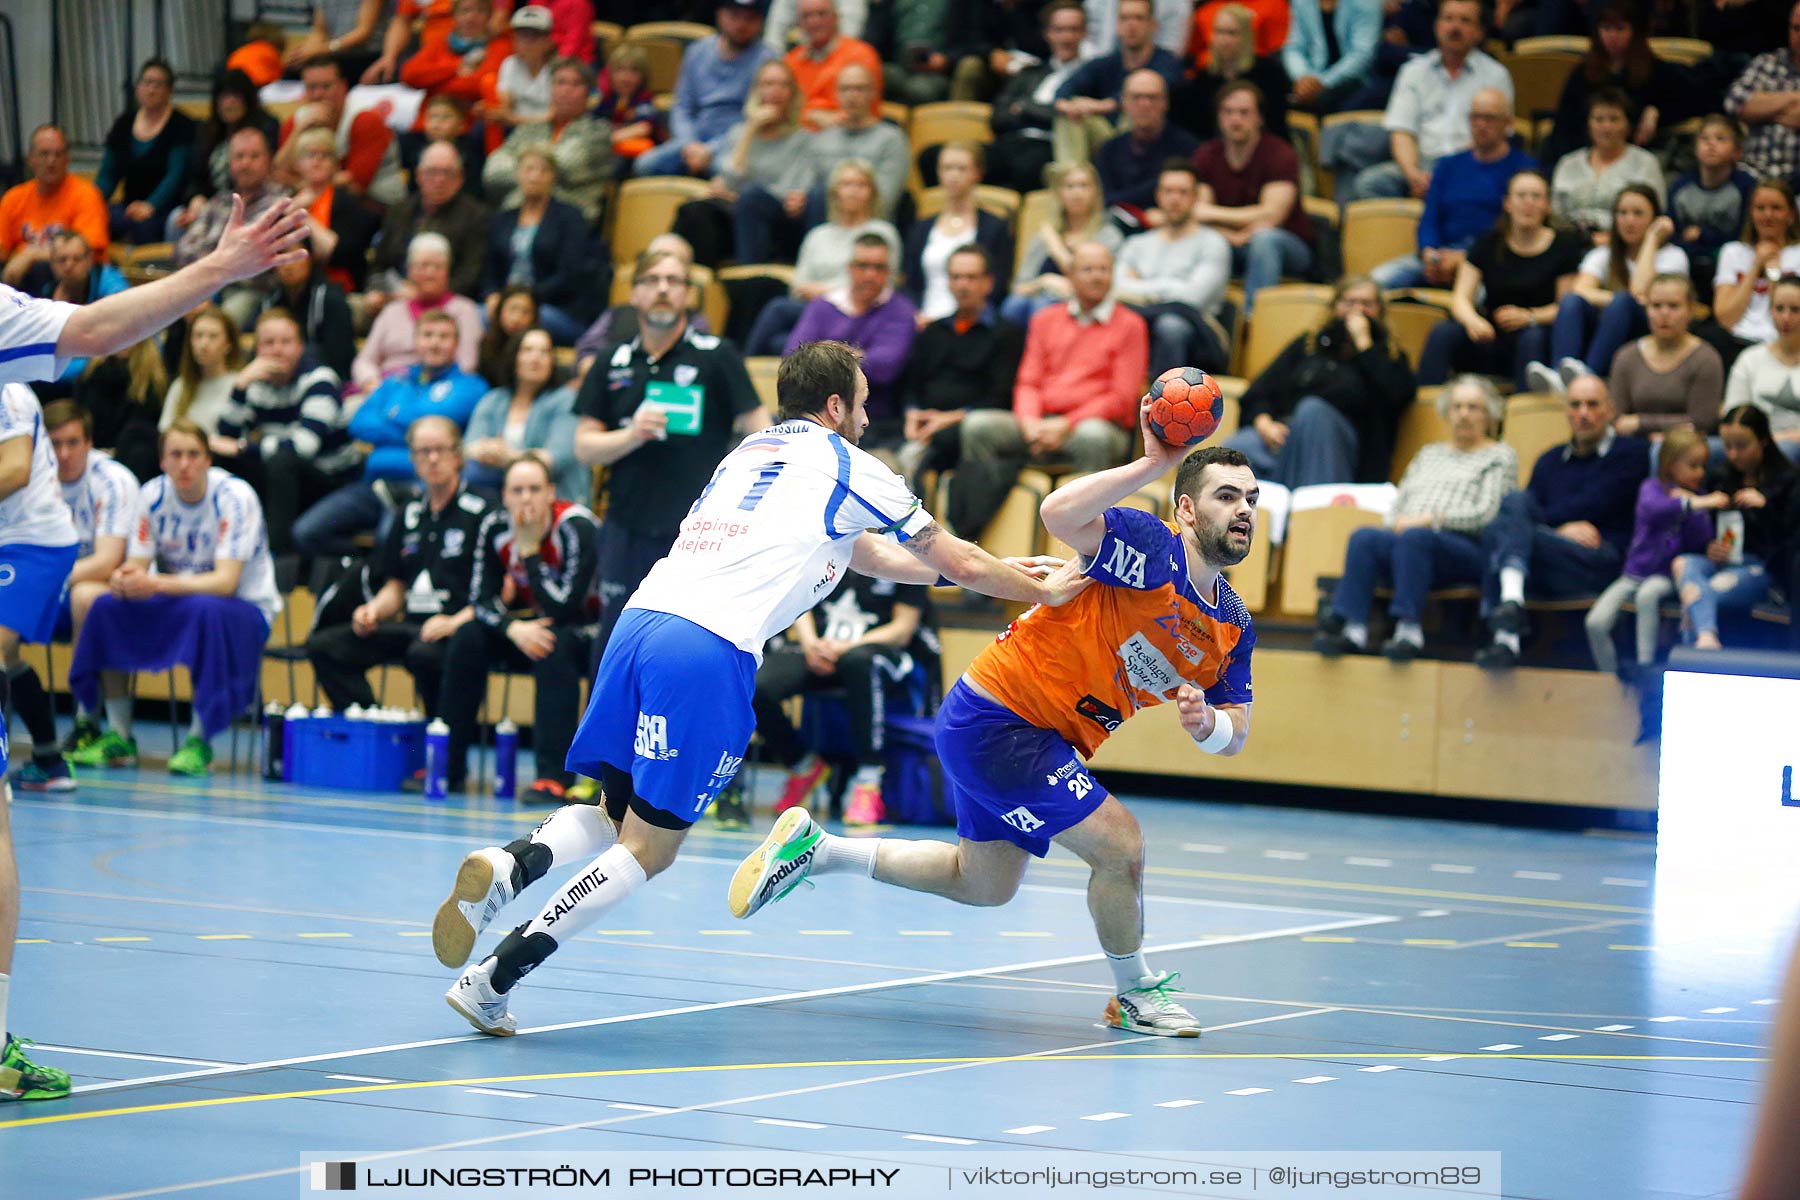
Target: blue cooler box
[{"x": 364, "y": 756}]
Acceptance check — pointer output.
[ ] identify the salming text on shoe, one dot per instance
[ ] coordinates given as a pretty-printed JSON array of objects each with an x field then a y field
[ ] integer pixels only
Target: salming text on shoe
[
  {"x": 22, "y": 1079},
  {"x": 776, "y": 867},
  {"x": 1151, "y": 1008},
  {"x": 483, "y": 887},
  {"x": 473, "y": 996},
  {"x": 108, "y": 750},
  {"x": 194, "y": 758},
  {"x": 46, "y": 775},
  {"x": 801, "y": 785}
]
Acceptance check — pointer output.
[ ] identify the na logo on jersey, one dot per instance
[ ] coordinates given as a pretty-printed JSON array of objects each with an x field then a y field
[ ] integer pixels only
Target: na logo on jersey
[
  {"x": 1023, "y": 820},
  {"x": 1127, "y": 565},
  {"x": 652, "y": 739}
]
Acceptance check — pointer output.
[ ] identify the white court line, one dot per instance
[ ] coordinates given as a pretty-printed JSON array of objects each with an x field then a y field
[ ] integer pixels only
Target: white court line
[
  {"x": 161, "y": 1058},
  {"x": 720, "y": 1005},
  {"x": 1202, "y": 901},
  {"x": 790, "y": 1124}
]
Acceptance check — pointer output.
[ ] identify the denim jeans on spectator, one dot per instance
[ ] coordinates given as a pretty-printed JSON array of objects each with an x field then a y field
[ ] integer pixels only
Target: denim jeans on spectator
[
  {"x": 1594, "y": 335},
  {"x": 1180, "y": 337},
  {"x": 1554, "y": 566},
  {"x": 769, "y": 335},
  {"x": 1406, "y": 271},
  {"x": 1412, "y": 563},
  {"x": 663, "y": 160},
  {"x": 1321, "y": 447},
  {"x": 1270, "y": 254},
  {"x": 1449, "y": 348},
  {"x": 1020, "y": 309},
  {"x": 764, "y": 232},
  {"x": 331, "y": 525},
  {"x": 1734, "y": 587},
  {"x": 563, "y": 329}
]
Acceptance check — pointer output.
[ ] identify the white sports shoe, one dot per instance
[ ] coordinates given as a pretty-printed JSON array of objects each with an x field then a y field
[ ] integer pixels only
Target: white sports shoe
[
  {"x": 1149, "y": 1008},
  {"x": 1544, "y": 378},
  {"x": 483, "y": 887},
  {"x": 473, "y": 996},
  {"x": 776, "y": 867}
]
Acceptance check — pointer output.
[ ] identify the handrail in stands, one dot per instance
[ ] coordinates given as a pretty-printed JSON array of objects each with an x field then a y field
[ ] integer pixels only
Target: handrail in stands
[{"x": 14, "y": 129}]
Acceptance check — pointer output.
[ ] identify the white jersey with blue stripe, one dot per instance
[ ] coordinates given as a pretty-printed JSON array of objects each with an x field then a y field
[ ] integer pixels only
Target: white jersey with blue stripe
[
  {"x": 189, "y": 539},
  {"x": 35, "y": 515},
  {"x": 29, "y": 329},
  {"x": 104, "y": 501},
  {"x": 773, "y": 531}
]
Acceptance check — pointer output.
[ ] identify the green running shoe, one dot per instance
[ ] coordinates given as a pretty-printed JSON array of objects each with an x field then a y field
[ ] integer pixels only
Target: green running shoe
[
  {"x": 22, "y": 1079},
  {"x": 776, "y": 867},
  {"x": 194, "y": 758},
  {"x": 109, "y": 750},
  {"x": 85, "y": 734}
]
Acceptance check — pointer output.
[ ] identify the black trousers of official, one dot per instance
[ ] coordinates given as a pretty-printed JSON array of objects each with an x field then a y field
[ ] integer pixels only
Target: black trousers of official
[
  {"x": 477, "y": 649},
  {"x": 624, "y": 558},
  {"x": 341, "y": 660},
  {"x": 870, "y": 677}
]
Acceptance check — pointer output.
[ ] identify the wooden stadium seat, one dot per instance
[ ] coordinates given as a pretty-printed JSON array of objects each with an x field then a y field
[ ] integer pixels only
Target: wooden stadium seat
[
  {"x": 1315, "y": 544},
  {"x": 714, "y": 303},
  {"x": 646, "y": 207},
  {"x": 1282, "y": 313},
  {"x": 664, "y": 53},
  {"x": 896, "y": 113},
  {"x": 1419, "y": 427},
  {"x": 1538, "y": 80},
  {"x": 680, "y": 31},
  {"x": 781, "y": 271},
  {"x": 1570, "y": 45},
  {"x": 1035, "y": 208},
  {"x": 1410, "y": 323},
  {"x": 1686, "y": 51},
  {"x": 946, "y": 121},
  {"x": 1319, "y": 206},
  {"x": 762, "y": 371},
  {"x": 607, "y": 34},
  {"x": 1016, "y": 529},
  {"x": 1534, "y": 423},
  {"x": 1002, "y": 202},
  {"x": 1377, "y": 230},
  {"x": 1303, "y": 132}
]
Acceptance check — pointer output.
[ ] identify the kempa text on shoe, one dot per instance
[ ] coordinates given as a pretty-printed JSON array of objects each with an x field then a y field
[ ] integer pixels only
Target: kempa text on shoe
[{"x": 787, "y": 868}]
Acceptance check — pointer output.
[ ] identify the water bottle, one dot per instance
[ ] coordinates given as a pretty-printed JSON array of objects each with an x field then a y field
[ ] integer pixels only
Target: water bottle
[
  {"x": 506, "y": 760},
  {"x": 273, "y": 720},
  {"x": 437, "y": 760}
]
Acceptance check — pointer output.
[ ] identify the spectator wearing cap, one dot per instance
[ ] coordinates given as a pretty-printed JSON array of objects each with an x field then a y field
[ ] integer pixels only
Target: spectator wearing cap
[
  {"x": 710, "y": 93},
  {"x": 522, "y": 86}
]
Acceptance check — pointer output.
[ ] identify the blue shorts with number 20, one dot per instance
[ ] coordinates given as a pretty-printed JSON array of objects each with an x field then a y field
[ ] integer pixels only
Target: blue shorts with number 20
[{"x": 1010, "y": 780}]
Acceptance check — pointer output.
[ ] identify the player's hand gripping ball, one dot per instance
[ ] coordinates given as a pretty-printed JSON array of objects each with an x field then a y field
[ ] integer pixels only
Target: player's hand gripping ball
[{"x": 1186, "y": 405}]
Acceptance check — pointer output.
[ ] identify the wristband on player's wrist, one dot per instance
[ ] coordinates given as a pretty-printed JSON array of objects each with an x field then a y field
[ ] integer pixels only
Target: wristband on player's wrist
[{"x": 1221, "y": 735}]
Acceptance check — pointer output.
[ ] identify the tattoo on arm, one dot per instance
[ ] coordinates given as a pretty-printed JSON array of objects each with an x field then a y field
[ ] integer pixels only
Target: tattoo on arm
[{"x": 920, "y": 543}]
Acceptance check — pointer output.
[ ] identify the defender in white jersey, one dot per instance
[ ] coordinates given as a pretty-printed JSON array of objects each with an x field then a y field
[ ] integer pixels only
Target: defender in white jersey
[
  {"x": 37, "y": 548},
  {"x": 198, "y": 588},
  {"x": 670, "y": 717}
]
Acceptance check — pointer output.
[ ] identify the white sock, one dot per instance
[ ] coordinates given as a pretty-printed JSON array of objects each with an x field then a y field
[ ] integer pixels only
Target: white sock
[
  {"x": 581, "y": 901},
  {"x": 118, "y": 714},
  {"x": 1129, "y": 970},
  {"x": 83, "y": 712},
  {"x": 1509, "y": 640},
  {"x": 1357, "y": 634},
  {"x": 574, "y": 831},
  {"x": 845, "y": 856},
  {"x": 1512, "y": 585},
  {"x": 195, "y": 729},
  {"x": 4, "y": 981},
  {"x": 1409, "y": 631}
]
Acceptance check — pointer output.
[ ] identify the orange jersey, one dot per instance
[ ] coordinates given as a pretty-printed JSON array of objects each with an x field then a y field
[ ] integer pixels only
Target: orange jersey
[{"x": 1127, "y": 643}]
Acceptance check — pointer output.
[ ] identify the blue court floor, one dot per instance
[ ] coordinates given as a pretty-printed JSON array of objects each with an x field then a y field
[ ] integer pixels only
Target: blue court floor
[{"x": 238, "y": 973}]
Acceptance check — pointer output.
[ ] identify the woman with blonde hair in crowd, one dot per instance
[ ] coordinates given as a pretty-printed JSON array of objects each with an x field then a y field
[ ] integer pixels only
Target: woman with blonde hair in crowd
[
  {"x": 1232, "y": 56},
  {"x": 756, "y": 210},
  {"x": 1078, "y": 217},
  {"x": 210, "y": 358}
]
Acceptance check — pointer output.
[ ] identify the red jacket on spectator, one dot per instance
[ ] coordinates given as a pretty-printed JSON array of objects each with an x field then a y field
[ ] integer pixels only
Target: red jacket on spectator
[
  {"x": 438, "y": 70},
  {"x": 572, "y": 27},
  {"x": 1092, "y": 366},
  {"x": 368, "y": 141}
]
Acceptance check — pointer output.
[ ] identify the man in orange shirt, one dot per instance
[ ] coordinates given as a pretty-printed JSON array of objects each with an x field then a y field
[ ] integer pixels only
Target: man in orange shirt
[
  {"x": 54, "y": 200},
  {"x": 820, "y": 56},
  {"x": 362, "y": 139},
  {"x": 465, "y": 62}
]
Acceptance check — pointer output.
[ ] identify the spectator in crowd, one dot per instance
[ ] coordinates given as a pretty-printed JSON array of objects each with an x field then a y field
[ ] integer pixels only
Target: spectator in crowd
[
  {"x": 419, "y": 583},
  {"x": 960, "y": 222},
  {"x": 1587, "y": 181},
  {"x": 210, "y": 359},
  {"x": 580, "y": 144},
  {"x": 659, "y": 414},
  {"x": 620, "y": 322},
  {"x": 1734, "y": 576},
  {"x": 1174, "y": 276},
  {"x": 711, "y": 92},
  {"x": 1327, "y": 409},
  {"x": 340, "y": 225},
  {"x": 1604, "y": 308},
  {"x": 250, "y": 181},
  {"x": 1766, "y": 98},
  {"x": 1671, "y": 519},
  {"x": 433, "y": 20},
  {"x": 1565, "y": 534},
  {"x": 1667, "y": 379},
  {"x": 759, "y": 202},
  {"x": 198, "y": 589},
  {"x": 572, "y": 27},
  {"x": 1268, "y": 24},
  {"x": 1076, "y": 396},
  {"x": 441, "y": 207},
  {"x": 854, "y": 209},
  {"x": 1619, "y": 59},
  {"x": 914, "y": 44},
  {"x": 103, "y": 499},
  {"x": 50, "y": 202},
  {"x": 992, "y": 43},
  {"x": 235, "y": 104},
  {"x": 466, "y": 62},
  {"x": 284, "y": 430},
  {"x": 872, "y": 316},
  {"x": 1428, "y": 114},
  {"x": 390, "y": 346},
  {"x": 433, "y": 385},
  {"x": 342, "y": 28},
  {"x": 1233, "y": 59},
  {"x": 1764, "y": 376},
  {"x": 1090, "y": 101},
  {"x": 535, "y": 609},
  {"x": 626, "y": 103},
  {"x": 1044, "y": 271},
  {"x": 860, "y": 133},
  {"x": 1025, "y": 109},
  {"x": 530, "y": 407},
  {"x": 323, "y": 311},
  {"x": 544, "y": 244},
  {"x": 821, "y": 56},
  {"x": 1330, "y": 52},
  {"x": 787, "y": 26},
  {"x": 522, "y": 85},
  {"x": 124, "y": 393},
  {"x": 1711, "y": 203},
  {"x": 1525, "y": 266},
  {"x": 1464, "y": 199},
  {"x": 1131, "y": 163},
  {"x": 514, "y": 311},
  {"x": 146, "y": 157},
  {"x": 361, "y": 138},
  {"x": 1432, "y": 536},
  {"x": 445, "y": 120},
  {"x": 965, "y": 361},
  {"x": 1250, "y": 190},
  {"x": 866, "y": 640},
  {"x": 1767, "y": 249},
  {"x": 76, "y": 278}
]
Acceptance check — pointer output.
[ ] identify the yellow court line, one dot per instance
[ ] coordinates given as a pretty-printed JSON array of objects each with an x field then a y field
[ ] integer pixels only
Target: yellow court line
[
  {"x": 718, "y": 1068},
  {"x": 1631, "y": 947}
]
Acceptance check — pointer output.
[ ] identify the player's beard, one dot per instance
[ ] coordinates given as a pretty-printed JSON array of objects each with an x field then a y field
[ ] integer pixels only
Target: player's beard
[{"x": 1217, "y": 547}]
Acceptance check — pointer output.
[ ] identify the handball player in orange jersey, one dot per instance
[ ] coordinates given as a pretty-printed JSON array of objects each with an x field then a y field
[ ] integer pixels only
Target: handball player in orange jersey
[{"x": 1164, "y": 626}]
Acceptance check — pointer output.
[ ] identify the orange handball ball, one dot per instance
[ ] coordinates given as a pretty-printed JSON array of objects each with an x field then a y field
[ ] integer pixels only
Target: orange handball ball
[{"x": 1186, "y": 405}]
